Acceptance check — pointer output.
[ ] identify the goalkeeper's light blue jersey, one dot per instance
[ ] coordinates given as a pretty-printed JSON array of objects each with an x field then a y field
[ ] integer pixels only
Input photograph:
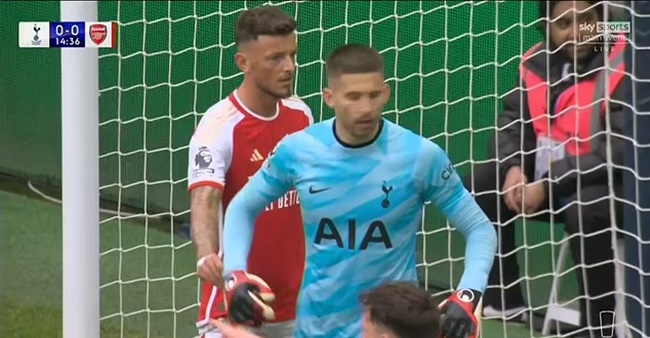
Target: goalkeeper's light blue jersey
[{"x": 361, "y": 209}]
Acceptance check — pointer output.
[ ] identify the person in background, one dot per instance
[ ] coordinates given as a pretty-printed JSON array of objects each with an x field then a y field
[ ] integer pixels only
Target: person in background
[{"x": 550, "y": 157}]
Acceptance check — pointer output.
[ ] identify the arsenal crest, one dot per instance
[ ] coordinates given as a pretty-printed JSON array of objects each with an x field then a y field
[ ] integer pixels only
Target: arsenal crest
[{"x": 98, "y": 33}]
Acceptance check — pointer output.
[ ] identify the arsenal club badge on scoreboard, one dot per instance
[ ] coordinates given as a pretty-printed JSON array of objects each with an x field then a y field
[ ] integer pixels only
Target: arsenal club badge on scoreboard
[{"x": 101, "y": 34}]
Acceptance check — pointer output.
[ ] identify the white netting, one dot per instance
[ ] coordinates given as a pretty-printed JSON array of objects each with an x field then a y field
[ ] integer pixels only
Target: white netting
[{"x": 449, "y": 64}]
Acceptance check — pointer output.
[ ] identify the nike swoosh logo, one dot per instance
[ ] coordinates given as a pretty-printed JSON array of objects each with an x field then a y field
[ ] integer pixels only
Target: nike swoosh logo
[{"x": 316, "y": 191}]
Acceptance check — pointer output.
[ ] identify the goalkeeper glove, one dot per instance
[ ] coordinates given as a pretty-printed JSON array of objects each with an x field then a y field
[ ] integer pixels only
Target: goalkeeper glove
[
  {"x": 459, "y": 319},
  {"x": 248, "y": 298}
]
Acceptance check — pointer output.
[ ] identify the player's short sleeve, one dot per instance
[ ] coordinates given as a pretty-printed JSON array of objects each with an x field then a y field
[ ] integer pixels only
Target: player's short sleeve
[
  {"x": 210, "y": 151},
  {"x": 308, "y": 113},
  {"x": 441, "y": 184},
  {"x": 296, "y": 103}
]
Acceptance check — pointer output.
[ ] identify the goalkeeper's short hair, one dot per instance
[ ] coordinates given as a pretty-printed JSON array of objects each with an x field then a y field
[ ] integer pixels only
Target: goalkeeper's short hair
[
  {"x": 353, "y": 59},
  {"x": 404, "y": 309}
]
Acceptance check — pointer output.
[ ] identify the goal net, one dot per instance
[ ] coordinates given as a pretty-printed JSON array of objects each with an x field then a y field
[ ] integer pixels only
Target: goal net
[{"x": 449, "y": 65}]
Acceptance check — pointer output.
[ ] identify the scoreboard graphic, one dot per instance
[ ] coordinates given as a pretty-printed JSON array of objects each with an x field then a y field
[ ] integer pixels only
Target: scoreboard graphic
[{"x": 67, "y": 34}]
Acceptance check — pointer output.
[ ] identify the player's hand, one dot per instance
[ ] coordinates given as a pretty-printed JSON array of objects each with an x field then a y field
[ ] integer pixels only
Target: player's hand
[
  {"x": 459, "y": 319},
  {"x": 229, "y": 331},
  {"x": 248, "y": 298},
  {"x": 210, "y": 268},
  {"x": 513, "y": 188}
]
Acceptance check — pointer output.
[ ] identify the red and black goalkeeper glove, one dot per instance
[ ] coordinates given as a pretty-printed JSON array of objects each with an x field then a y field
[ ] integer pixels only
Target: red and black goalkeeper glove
[
  {"x": 459, "y": 319},
  {"x": 248, "y": 298}
]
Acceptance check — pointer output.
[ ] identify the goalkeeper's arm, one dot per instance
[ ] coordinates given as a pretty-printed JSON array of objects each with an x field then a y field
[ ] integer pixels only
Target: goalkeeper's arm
[
  {"x": 480, "y": 238},
  {"x": 272, "y": 180},
  {"x": 247, "y": 296},
  {"x": 480, "y": 248},
  {"x": 445, "y": 189},
  {"x": 239, "y": 221}
]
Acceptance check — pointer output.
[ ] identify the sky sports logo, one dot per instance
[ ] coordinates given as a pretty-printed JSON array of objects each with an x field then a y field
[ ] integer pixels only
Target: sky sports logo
[
  {"x": 604, "y": 35},
  {"x": 607, "y": 27}
]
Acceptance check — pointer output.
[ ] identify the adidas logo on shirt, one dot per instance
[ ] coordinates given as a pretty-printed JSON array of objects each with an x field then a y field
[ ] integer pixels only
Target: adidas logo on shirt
[{"x": 256, "y": 156}]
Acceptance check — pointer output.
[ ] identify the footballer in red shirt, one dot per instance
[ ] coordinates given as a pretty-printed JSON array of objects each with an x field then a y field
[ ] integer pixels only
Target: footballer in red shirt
[{"x": 229, "y": 145}]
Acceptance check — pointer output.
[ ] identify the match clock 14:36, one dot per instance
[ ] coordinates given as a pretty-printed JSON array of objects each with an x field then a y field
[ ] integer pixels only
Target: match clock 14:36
[{"x": 68, "y": 34}]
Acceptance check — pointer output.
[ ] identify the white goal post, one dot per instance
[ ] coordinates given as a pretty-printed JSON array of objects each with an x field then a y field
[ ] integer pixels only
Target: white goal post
[
  {"x": 128, "y": 113},
  {"x": 80, "y": 180}
]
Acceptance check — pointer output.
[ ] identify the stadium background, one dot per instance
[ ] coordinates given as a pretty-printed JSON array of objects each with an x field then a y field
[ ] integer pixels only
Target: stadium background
[{"x": 448, "y": 71}]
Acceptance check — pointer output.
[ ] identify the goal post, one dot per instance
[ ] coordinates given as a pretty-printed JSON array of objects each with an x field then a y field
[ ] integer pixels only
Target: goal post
[
  {"x": 80, "y": 181},
  {"x": 637, "y": 185}
]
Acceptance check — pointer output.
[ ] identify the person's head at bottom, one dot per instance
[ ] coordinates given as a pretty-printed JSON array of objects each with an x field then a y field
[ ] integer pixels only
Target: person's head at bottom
[{"x": 399, "y": 310}]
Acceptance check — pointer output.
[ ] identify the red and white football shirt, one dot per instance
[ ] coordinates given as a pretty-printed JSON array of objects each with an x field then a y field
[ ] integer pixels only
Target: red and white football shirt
[{"x": 229, "y": 145}]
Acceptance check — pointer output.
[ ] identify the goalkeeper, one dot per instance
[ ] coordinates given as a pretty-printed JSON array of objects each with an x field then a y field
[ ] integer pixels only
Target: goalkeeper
[{"x": 363, "y": 182}]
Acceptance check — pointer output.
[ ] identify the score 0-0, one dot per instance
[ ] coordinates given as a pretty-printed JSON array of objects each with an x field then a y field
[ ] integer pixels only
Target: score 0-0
[{"x": 68, "y": 34}]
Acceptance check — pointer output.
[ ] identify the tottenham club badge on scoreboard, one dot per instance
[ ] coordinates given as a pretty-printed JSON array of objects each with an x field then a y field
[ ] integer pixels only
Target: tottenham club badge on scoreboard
[
  {"x": 34, "y": 35},
  {"x": 101, "y": 34},
  {"x": 67, "y": 34}
]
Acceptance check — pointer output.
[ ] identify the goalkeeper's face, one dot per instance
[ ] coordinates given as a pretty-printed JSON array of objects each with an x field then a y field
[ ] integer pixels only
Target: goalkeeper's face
[{"x": 358, "y": 101}]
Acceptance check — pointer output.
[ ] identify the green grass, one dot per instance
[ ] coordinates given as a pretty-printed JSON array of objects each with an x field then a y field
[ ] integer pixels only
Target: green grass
[
  {"x": 153, "y": 294},
  {"x": 152, "y": 276}
]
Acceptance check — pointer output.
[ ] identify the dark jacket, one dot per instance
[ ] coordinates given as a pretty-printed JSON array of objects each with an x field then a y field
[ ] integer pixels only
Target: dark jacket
[{"x": 515, "y": 129}]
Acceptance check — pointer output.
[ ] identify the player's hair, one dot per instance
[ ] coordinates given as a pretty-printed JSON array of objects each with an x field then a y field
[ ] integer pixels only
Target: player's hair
[
  {"x": 265, "y": 20},
  {"x": 353, "y": 59},
  {"x": 404, "y": 309}
]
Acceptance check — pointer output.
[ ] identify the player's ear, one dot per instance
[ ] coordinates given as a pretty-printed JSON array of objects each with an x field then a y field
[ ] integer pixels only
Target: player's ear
[
  {"x": 386, "y": 93},
  {"x": 328, "y": 97},
  {"x": 242, "y": 62}
]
